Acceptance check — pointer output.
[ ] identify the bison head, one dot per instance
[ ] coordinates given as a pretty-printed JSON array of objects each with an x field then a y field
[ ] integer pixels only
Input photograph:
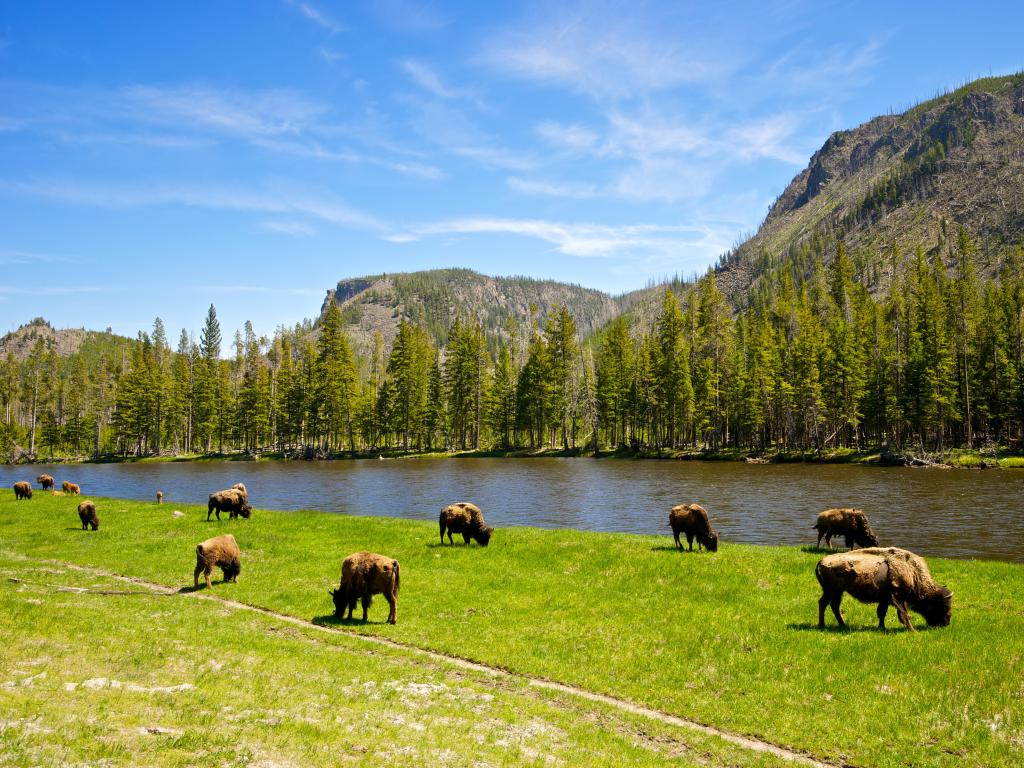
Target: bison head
[
  {"x": 231, "y": 571},
  {"x": 483, "y": 536},
  {"x": 338, "y": 595},
  {"x": 712, "y": 542},
  {"x": 245, "y": 511},
  {"x": 937, "y": 608}
]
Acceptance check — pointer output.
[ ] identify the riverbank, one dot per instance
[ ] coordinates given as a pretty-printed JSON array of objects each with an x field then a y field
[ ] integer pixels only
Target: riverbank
[
  {"x": 726, "y": 639},
  {"x": 956, "y": 458}
]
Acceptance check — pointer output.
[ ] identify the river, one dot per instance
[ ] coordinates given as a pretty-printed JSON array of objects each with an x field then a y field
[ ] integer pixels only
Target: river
[{"x": 950, "y": 513}]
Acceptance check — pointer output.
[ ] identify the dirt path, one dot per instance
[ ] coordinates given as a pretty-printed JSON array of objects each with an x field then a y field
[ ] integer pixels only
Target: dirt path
[{"x": 630, "y": 707}]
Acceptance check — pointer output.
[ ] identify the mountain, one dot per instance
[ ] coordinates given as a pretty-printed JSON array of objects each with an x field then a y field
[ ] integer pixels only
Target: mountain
[
  {"x": 901, "y": 180},
  {"x": 63, "y": 342},
  {"x": 435, "y": 298}
]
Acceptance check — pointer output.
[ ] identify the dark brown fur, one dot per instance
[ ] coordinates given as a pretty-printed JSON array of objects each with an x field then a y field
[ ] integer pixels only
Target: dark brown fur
[
  {"x": 45, "y": 482},
  {"x": 22, "y": 490},
  {"x": 159, "y": 497},
  {"x": 692, "y": 520},
  {"x": 71, "y": 488},
  {"x": 467, "y": 519},
  {"x": 87, "y": 514},
  {"x": 232, "y": 501},
  {"x": 887, "y": 576},
  {"x": 852, "y": 524},
  {"x": 219, "y": 552},
  {"x": 363, "y": 575}
]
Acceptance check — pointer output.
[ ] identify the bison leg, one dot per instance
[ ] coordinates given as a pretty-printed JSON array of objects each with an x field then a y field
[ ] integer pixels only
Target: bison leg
[
  {"x": 442, "y": 533},
  {"x": 901, "y": 612},
  {"x": 689, "y": 541},
  {"x": 828, "y": 539},
  {"x": 849, "y": 542},
  {"x": 393, "y": 604},
  {"x": 465, "y": 538},
  {"x": 367, "y": 599},
  {"x": 195, "y": 574},
  {"x": 450, "y": 540},
  {"x": 675, "y": 535},
  {"x": 834, "y": 604},
  {"x": 883, "y": 608},
  {"x": 822, "y": 603}
]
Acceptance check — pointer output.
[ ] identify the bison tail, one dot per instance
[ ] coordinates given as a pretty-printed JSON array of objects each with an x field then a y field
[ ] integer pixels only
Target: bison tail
[
  {"x": 199, "y": 550},
  {"x": 397, "y": 575}
]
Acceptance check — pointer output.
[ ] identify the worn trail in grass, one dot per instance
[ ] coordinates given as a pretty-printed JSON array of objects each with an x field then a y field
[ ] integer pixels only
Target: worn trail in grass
[{"x": 725, "y": 639}]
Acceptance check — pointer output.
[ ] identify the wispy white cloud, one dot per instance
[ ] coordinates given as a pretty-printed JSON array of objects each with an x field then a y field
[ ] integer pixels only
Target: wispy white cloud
[
  {"x": 563, "y": 189},
  {"x": 426, "y": 78},
  {"x": 597, "y": 51},
  {"x": 573, "y": 137},
  {"x": 410, "y": 17},
  {"x": 575, "y": 239},
  {"x": 318, "y": 16},
  {"x": 331, "y": 55},
  {"x": 286, "y": 227},
  {"x": 279, "y": 198},
  {"x": 15, "y": 258}
]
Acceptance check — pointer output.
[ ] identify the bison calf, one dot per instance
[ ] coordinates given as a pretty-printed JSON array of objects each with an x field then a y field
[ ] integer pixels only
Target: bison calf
[
  {"x": 22, "y": 490},
  {"x": 45, "y": 482},
  {"x": 363, "y": 575},
  {"x": 467, "y": 519},
  {"x": 159, "y": 497},
  {"x": 692, "y": 520},
  {"x": 87, "y": 514},
  {"x": 232, "y": 501},
  {"x": 71, "y": 488},
  {"x": 219, "y": 552},
  {"x": 852, "y": 524},
  {"x": 887, "y": 576}
]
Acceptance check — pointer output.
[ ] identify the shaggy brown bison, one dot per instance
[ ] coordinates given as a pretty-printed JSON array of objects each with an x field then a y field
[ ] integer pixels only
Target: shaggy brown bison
[
  {"x": 87, "y": 514},
  {"x": 45, "y": 482},
  {"x": 467, "y": 519},
  {"x": 22, "y": 490},
  {"x": 219, "y": 552},
  {"x": 851, "y": 524},
  {"x": 71, "y": 488},
  {"x": 887, "y": 576},
  {"x": 159, "y": 497},
  {"x": 692, "y": 520},
  {"x": 363, "y": 575},
  {"x": 231, "y": 501}
]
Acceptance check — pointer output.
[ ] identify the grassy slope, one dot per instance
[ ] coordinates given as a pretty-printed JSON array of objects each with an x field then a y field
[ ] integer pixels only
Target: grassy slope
[
  {"x": 270, "y": 695},
  {"x": 726, "y": 639}
]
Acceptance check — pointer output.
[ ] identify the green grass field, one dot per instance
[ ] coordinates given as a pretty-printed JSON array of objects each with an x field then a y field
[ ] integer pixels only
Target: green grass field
[{"x": 726, "y": 639}]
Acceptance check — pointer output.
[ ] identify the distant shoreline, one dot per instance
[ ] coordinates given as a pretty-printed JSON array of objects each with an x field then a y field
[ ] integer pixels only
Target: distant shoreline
[{"x": 954, "y": 459}]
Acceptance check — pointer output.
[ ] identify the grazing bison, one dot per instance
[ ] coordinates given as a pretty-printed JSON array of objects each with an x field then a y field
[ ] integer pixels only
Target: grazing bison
[
  {"x": 71, "y": 488},
  {"x": 22, "y": 490},
  {"x": 467, "y": 519},
  {"x": 887, "y": 576},
  {"x": 692, "y": 519},
  {"x": 219, "y": 552},
  {"x": 851, "y": 524},
  {"x": 363, "y": 575},
  {"x": 45, "y": 482},
  {"x": 159, "y": 497},
  {"x": 87, "y": 514},
  {"x": 58, "y": 493},
  {"x": 231, "y": 501}
]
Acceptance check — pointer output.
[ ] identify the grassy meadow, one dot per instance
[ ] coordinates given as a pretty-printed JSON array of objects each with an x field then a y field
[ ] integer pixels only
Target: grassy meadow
[{"x": 726, "y": 639}]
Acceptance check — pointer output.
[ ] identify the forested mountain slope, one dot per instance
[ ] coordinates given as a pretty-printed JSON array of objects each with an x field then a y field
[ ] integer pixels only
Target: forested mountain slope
[{"x": 900, "y": 180}]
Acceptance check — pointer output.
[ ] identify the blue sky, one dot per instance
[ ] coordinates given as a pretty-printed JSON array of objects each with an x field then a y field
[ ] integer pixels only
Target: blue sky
[{"x": 157, "y": 157}]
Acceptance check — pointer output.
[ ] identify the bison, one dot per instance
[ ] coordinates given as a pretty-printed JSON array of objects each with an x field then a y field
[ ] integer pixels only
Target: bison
[
  {"x": 851, "y": 524},
  {"x": 87, "y": 514},
  {"x": 241, "y": 487},
  {"x": 22, "y": 490},
  {"x": 692, "y": 519},
  {"x": 159, "y": 497},
  {"x": 231, "y": 501},
  {"x": 887, "y": 576},
  {"x": 363, "y": 575},
  {"x": 45, "y": 482},
  {"x": 70, "y": 488},
  {"x": 219, "y": 552},
  {"x": 467, "y": 519}
]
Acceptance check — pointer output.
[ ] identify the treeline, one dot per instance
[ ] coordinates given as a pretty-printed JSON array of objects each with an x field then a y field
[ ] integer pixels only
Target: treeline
[{"x": 813, "y": 361}]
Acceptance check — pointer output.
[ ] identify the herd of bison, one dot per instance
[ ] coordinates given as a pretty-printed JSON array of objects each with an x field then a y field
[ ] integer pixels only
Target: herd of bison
[{"x": 888, "y": 576}]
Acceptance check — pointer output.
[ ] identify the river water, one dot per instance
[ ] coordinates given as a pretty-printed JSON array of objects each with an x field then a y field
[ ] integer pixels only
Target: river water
[{"x": 951, "y": 513}]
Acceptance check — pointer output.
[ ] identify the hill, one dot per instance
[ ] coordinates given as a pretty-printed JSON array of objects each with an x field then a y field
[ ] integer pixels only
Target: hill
[
  {"x": 62, "y": 342},
  {"x": 435, "y": 298},
  {"x": 901, "y": 180}
]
